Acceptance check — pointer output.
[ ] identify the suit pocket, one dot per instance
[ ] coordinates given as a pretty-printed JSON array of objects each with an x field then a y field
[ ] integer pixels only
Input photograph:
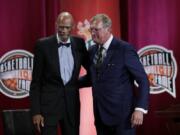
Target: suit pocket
[
  {"x": 114, "y": 66},
  {"x": 110, "y": 65}
]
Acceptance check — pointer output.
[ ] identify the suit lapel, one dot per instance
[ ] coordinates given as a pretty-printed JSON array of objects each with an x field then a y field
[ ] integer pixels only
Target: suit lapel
[
  {"x": 92, "y": 55},
  {"x": 112, "y": 48},
  {"x": 55, "y": 56},
  {"x": 74, "y": 53},
  {"x": 108, "y": 57}
]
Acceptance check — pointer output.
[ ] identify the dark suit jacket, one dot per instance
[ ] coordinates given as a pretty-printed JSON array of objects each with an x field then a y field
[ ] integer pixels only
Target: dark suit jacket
[
  {"x": 48, "y": 95},
  {"x": 113, "y": 94}
]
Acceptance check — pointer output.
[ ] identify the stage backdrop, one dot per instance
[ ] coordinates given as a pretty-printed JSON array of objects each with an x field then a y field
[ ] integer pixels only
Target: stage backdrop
[
  {"x": 143, "y": 22},
  {"x": 23, "y": 22},
  {"x": 155, "y": 22}
]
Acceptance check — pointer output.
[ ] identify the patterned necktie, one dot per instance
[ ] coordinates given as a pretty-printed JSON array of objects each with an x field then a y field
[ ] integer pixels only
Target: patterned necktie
[{"x": 98, "y": 59}]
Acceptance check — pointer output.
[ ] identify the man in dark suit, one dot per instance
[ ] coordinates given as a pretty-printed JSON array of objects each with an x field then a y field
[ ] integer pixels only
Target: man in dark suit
[
  {"x": 54, "y": 91},
  {"x": 114, "y": 67}
]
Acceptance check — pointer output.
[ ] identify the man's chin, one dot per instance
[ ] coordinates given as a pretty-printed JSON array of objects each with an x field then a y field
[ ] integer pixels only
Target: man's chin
[
  {"x": 95, "y": 41},
  {"x": 64, "y": 39}
]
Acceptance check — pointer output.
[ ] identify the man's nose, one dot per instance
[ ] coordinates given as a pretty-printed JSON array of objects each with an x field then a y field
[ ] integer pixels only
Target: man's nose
[
  {"x": 93, "y": 33},
  {"x": 64, "y": 29}
]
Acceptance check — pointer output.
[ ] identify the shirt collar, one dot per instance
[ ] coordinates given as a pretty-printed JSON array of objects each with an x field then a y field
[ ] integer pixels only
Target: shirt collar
[
  {"x": 108, "y": 42},
  {"x": 59, "y": 39}
]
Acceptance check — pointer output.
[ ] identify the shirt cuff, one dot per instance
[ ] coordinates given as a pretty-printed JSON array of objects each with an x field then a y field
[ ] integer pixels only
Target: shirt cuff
[{"x": 142, "y": 110}]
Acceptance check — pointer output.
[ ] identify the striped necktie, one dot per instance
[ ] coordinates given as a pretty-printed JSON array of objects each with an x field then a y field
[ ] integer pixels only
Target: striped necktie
[{"x": 98, "y": 58}]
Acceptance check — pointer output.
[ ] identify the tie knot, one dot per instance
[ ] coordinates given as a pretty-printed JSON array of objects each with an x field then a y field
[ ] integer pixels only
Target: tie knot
[{"x": 64, "y": 44}]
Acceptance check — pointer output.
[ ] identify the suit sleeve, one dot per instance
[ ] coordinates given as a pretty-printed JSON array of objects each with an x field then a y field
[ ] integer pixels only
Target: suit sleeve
[
  {"x": 137, "y": 71},
  {"x": 85, "y": 81},
  {"x": 36, "y": 82}
]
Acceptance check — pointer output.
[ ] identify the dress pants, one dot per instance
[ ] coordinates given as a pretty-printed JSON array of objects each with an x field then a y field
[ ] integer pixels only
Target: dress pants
[
  {"x": 103, "y": 129},
  {"x": 66, "y": 127}
]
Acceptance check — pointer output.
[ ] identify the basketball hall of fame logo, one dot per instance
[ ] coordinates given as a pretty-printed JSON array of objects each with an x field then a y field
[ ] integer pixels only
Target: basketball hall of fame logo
[
  {"x": 15, "y": 73},
  {"x": 161, "y": 68}
]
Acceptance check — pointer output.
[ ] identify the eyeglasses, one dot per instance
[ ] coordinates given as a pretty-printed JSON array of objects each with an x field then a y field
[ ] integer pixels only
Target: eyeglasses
[{"x": 95, "y": 29}]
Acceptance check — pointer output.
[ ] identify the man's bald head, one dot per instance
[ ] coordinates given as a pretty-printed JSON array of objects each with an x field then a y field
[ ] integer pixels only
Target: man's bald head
[
  {"x": 65, "y": 15},
  {"x": 64, "y": 25}
]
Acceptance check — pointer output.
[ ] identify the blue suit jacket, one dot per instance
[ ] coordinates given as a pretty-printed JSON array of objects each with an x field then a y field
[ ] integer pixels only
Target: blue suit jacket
[{"x": 113, "y": 93}]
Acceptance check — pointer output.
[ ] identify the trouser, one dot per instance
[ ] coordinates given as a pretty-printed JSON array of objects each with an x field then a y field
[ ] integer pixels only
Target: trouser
[
  {"x": 66, "y": 127},
  {"x": 103, "y": 129}
]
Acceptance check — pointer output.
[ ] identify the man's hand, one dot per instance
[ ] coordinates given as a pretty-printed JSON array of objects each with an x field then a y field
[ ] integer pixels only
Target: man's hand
[
  {"x": 137, "y": 118},
  {"x": 38, "y": 121}
]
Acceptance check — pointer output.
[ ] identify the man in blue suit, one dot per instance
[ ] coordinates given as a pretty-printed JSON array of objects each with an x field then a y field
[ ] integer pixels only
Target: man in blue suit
[{"x": 114, "y": 67}]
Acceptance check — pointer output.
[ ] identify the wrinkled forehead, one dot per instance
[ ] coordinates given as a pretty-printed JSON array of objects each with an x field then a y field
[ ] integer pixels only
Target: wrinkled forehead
[{"x": 96, "y": 23}]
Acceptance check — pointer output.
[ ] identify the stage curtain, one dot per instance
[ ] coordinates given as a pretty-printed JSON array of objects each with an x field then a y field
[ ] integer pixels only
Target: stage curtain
[
  {"x": 147, "y": 22},
  {"x": 23, "y": 22}
]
